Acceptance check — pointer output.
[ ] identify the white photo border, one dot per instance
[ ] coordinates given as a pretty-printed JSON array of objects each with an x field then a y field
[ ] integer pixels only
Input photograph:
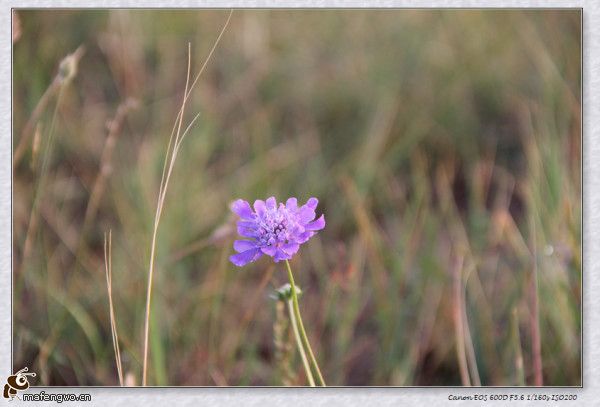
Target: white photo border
[{"x": 588, "y": 394}]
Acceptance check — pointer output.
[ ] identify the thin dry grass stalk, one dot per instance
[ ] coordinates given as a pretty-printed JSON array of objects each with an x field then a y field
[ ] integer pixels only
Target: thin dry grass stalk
[
  {"x": 536, "y": 341},
  {"x": 458, "y": 321},
  {"x": 465, "y": 346},
  {"x": 113, "y": 323},
  {"x": 166, "y": 176}
]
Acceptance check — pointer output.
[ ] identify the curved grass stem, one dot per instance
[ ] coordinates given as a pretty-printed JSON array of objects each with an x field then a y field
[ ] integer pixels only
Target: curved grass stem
[
  {"x": 293, "y": 320},
  {"x": 300, "y": 325}
]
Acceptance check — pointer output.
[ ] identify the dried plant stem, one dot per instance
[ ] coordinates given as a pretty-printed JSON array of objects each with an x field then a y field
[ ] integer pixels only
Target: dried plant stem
[
  {"x": 536, "y": 342},
  {"x": 170, "y": 162},
  {"x": 113, "y": 323},
  {"x": 300, "y": 325},
  {"x": 520, "y": 375},
  {"x": 294, "y": 324},
  {"x": 471, "y": 359},
  {"x": 166, "y": 175},
  {"x": 114, "y": 130},
  {"x": 282, "y": 338},
  {"x": 458, "y": 322}
]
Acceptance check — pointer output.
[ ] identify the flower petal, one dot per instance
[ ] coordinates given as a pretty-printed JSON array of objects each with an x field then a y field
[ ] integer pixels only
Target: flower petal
[
  {"x": 269, "y": 250},
  {"x": 303, "y": 237},
  {"x": 292, "y": 204},
  {"x": 244, "y": 245},
  {"x": 316, "y": 225},
  {"x": 259, "y": 207},
  {"x": 306, "y": 214},
  {"x": 297, "y": 229},
  {"x": 312, "y": 203},
  {"x": 246, "y": 231},
  {"x": 247, "y": 224},
  {"x": 281, "y": 255},
  {"x": 271, "y": 203},
  {"x": 241, "y": 259},
  {"x": 290, "y": 248},
  {"x": 243, "y": 209}
]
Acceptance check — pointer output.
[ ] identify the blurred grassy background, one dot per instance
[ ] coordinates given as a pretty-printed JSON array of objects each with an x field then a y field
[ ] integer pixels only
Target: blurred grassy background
[{"x": 444, "y": 147}]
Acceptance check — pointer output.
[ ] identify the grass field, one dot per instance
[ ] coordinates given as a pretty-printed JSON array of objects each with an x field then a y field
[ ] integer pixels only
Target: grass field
[{"x": 444, "y": 148}]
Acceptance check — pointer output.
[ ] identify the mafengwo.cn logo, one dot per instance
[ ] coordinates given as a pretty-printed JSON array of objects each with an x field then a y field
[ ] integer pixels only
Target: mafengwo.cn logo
[{"x": 16, "y": 383}]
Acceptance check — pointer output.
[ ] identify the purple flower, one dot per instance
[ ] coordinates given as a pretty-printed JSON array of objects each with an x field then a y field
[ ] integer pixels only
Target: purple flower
[{"x": 272, "y": 229}]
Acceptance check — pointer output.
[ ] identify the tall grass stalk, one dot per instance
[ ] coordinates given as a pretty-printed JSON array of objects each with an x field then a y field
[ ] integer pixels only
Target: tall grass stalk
[
  {"x": 471, "y": 358},
  {"x": 536, "y": 341},
  {"x": 166, "y": 175},
  {"x": 300, "y": 326},
  {"x": 459, "y": 323},
  {"x": 113, "y": 323}
]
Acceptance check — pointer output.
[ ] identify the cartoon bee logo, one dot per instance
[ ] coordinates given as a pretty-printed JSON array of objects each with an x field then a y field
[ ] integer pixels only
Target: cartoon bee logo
[{"x": 17, "y": 382}]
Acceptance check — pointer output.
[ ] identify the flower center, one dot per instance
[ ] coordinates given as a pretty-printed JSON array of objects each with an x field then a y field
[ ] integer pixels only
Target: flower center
[{"x": 273, "y": 227}]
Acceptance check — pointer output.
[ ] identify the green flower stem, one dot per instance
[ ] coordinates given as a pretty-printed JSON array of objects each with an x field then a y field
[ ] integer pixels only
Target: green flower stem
[
  {"x": 309, "y": 375},
  {"x": 313, "y": 361}
]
